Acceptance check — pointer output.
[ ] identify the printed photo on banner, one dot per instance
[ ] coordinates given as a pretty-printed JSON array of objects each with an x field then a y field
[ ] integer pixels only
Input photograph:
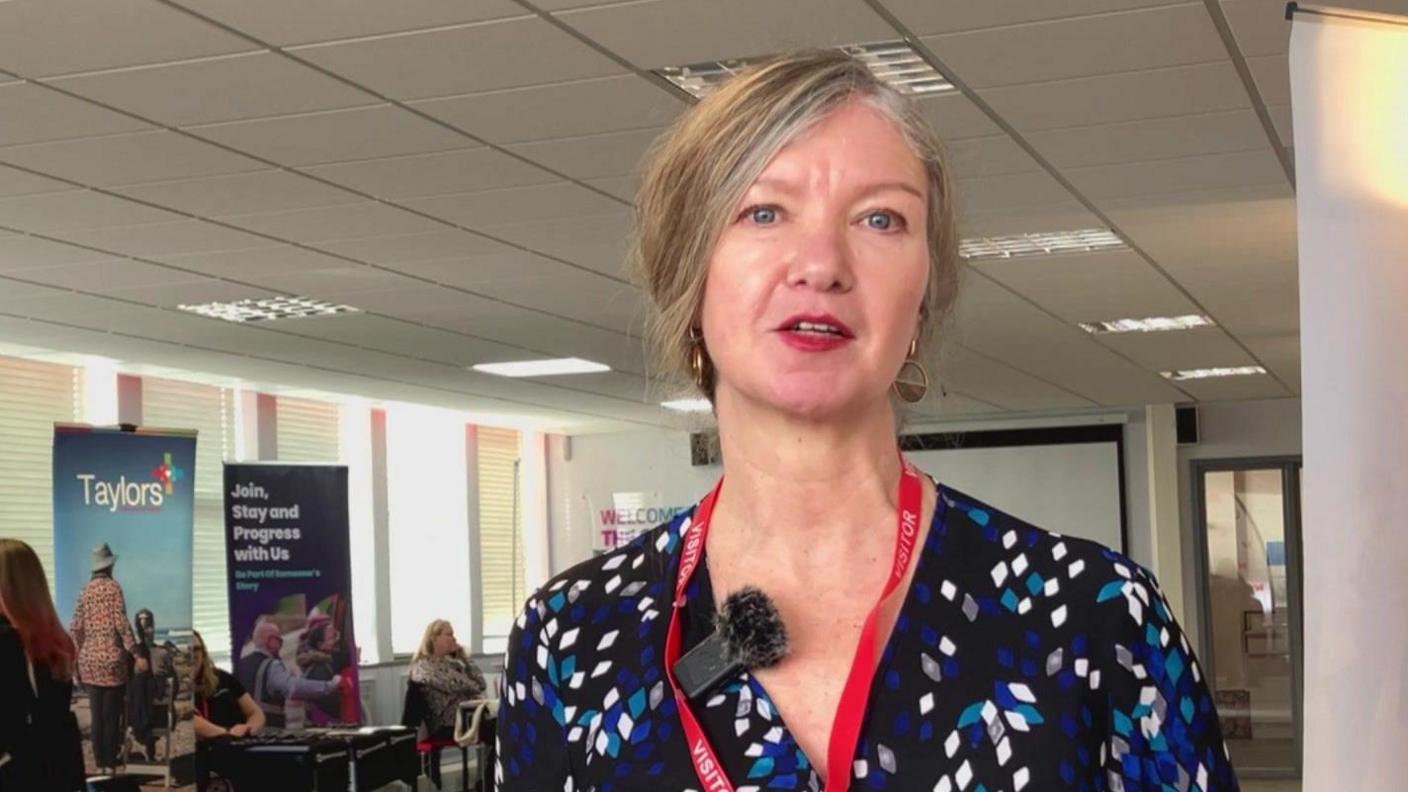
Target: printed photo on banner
[
  {"x": 625, "y": 515},
  {"x": 290, "y": 584},
  {"x": 123, "y": 546}
]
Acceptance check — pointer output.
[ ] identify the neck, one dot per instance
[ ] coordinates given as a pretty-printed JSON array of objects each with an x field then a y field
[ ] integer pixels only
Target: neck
[{"x": 790, "y": 479}]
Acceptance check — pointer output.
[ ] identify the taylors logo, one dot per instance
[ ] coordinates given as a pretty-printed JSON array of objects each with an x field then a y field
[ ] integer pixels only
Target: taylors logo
[{"x": 124, "y": 495}]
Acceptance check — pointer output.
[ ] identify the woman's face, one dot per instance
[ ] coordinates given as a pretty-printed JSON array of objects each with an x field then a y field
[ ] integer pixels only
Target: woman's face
[
  {"x": 444, "y": 642},
  {"x": 330, "y": 636},
  {"x": 815, "y": 285}
]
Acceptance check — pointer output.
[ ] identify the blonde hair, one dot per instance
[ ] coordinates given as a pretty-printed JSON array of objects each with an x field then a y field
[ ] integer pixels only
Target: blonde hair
[
  {"x": 427, "y": 641},
  {"x": 698, "y": 171},
  {"x": 203, "y": 675}
]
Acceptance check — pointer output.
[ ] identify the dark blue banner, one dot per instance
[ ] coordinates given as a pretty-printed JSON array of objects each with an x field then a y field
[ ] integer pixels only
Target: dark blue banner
[{"x": 290, "y": 577}]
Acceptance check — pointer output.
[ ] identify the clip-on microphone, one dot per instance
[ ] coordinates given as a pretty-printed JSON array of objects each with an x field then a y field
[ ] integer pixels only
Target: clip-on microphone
[{"x": 748, "y": 634}]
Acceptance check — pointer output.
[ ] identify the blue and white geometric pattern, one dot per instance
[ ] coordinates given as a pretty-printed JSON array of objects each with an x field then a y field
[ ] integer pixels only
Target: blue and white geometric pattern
[{"x": 1020, "y": 660}]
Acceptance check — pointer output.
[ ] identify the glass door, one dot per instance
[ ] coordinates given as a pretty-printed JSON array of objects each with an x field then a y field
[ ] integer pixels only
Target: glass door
[{"x": 1249, "y": 585}]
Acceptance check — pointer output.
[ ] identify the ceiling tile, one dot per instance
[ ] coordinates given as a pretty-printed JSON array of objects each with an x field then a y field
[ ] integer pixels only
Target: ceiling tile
[
  {"x": 335, "y": 135},
  {"x": 462, "y": 59},
  {"x": 40, "y": 38},
  {"x": 1259, "y": 26},
  {"x": 350, "y": 221},
  {"x": 107, "y": 276},
  {"x": 1160, "y": 138},
  {"x": 662, "y": 33},
  {"x": 580, "y": 107},
  {"x": 57, "y": 213},
  {"x": 595, "y": 242},
  {"x": 465, "y": 170},
  {"x": 190, "y": 236},
  {"x": 592, "y": 156},
  {"x": 216, "y": 89},
  {"x": 1285, "y": 126},
  {"x": 988, "y": 156},
  {"x": 19, "y": 252},
  {"x": 241, "y": 193},
  {"x": 1015, "y": 191},
  {"x": 282, "y": 23},
  {"x": 472, "y": 272},
  {"x": 1039, "y": 52},
  {"x": 516, "y": 204},
  {"x": 18, "y": 182},
  {"x": 129, "y": 158},
  {"x": 1256, "y": 300},
  {"x": 926, "y": 17},
  {"x": 189, "y": 292},
  {"x": 253, "y": 264},
  {"x": 1176, "y": 351},
  {"x": 1069, "y": 216},
  {"x": 954, "y": 116},
  {"x": 391, "y": 250},
  {"x": 1183, "y": 174},
  {"x": 1226, "y": 230},
  {"x": 29, "y": 112},
  {"x": 14, "y": 291},
  {"x": 1112, "y": 98},
  {"x": 1272, "y": 75},
  {"x": 1280, "y": 354},
  {"x": 1091, "y": 286},
  {"x": 993, "y": 381},
  {"x": 337, "y": 280},
  {"x": 623, "y": 187}
]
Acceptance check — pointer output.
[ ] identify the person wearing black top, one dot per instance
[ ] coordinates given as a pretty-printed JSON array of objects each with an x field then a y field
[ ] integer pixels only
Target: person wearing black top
[
  {"x": 39, "y": 741},
  {"x": 222, "y": 705}
]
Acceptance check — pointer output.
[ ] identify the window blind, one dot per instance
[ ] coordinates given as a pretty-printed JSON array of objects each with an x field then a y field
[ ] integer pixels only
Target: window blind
[
  {"x": 33, "y": 397},
  {"x": 168, "y": 404},
  {"x": 500, "y": 529},
  {"x": 308, "y": 431}
]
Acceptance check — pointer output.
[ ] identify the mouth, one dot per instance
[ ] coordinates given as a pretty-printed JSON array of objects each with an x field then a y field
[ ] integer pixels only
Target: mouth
[{"x": 823, "y": 326}]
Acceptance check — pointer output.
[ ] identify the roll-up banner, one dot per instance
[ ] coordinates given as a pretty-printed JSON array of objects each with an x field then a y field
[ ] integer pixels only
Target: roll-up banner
[
  {"x": 290, "y": 578},
  {"x": 123, "y": 537}
]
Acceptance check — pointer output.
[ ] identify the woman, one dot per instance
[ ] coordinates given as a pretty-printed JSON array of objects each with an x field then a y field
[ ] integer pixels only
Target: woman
[
  {"x": 39, "y": 741},
  {"x": 447, "y": 676},
  {"x": 105, "y": 648},
  {"x": 222, "y": 707},
  {"x": 795, "y": 232},
  {"x": 320, "y": 658}
]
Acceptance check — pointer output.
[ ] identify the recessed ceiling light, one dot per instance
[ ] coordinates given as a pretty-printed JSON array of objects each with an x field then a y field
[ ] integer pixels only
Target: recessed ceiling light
[
  {"x": 894, "y": 62},
  {"x": 542, "y": 368},
  {"x": 688, "y": 405},
  {"x": 1153, "y": 324},
  {"x": 1208, "y": 373},
  {"x": 267, "y": 309},
  {"x": 1085, "y": 240}
]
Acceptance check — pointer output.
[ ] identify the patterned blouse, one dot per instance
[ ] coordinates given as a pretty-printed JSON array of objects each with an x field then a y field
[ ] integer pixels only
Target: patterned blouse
[
  {"x": 1020, "y": 660},
  {"x": 447, "y": 681},
  {"x": 102, "y": 633}
]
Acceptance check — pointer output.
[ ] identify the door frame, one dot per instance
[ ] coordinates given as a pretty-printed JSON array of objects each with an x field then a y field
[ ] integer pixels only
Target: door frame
[{"x": 1290, "y": 467}]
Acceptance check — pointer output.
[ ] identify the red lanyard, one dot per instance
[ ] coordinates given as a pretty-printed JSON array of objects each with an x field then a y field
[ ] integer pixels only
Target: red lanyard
[{"x": 850, "y": 711}]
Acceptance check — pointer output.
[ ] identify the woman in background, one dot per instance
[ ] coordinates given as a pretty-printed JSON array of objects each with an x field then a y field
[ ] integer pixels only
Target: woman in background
[
  {"x": 39, "y": 741},
  {"x": 447, "y": 676},
  {"x": 320, "y": 658},
  {"x": 222, "y": 705},
  {"x": 105, "y": 645}
]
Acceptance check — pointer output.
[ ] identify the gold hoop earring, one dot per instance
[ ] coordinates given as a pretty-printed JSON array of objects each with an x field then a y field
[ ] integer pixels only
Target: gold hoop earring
[
  {"x": 912, "y": 382},
  {"x": 697, "y": 362}
]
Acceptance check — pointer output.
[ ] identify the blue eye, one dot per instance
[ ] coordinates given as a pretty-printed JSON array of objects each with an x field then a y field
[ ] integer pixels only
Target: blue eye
[
  {"x": 881, "y": 221},
  {"x": 762, "y": 215}
]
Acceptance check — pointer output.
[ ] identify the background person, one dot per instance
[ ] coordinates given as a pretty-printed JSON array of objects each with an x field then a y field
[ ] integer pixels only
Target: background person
[
  {"x": 262, "y": 672},
  {"x": 105, "y": 647},
  {"x": 40, "y": 747}
]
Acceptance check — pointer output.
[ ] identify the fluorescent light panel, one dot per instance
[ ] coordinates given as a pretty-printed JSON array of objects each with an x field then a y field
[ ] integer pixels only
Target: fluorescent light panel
[
  {"x": 688, "y": 405},
  {"x": 542, "y": 368},
  {"x": 894, "y": 62},
  {"x": 267, "y": 309},
  {"x": 1153, "y": 324},
  {"x": 1209, "y": 373},
  {"x": 1084, "y": 240}
]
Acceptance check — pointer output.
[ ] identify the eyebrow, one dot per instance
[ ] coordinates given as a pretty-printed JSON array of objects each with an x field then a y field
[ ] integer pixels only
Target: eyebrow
[{"x": 791, "y": 188}]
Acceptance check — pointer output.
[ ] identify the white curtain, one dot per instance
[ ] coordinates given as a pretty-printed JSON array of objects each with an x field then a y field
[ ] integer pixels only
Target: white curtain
[{"x": 1349, "y": 80}]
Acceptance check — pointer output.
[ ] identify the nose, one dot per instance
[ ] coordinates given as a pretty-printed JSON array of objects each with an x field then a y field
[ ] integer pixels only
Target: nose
[{"x": 820, "y": 258}]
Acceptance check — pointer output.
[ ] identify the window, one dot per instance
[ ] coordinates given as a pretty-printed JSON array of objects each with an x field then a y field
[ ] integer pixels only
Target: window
[
  {"x": 428, "y": 522},
  {"x": 167, "y": 404},
  {"x": 308, "y": 431},
  {"x": 500, "y": 532},
  {"x": 33, "y": 397}
]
